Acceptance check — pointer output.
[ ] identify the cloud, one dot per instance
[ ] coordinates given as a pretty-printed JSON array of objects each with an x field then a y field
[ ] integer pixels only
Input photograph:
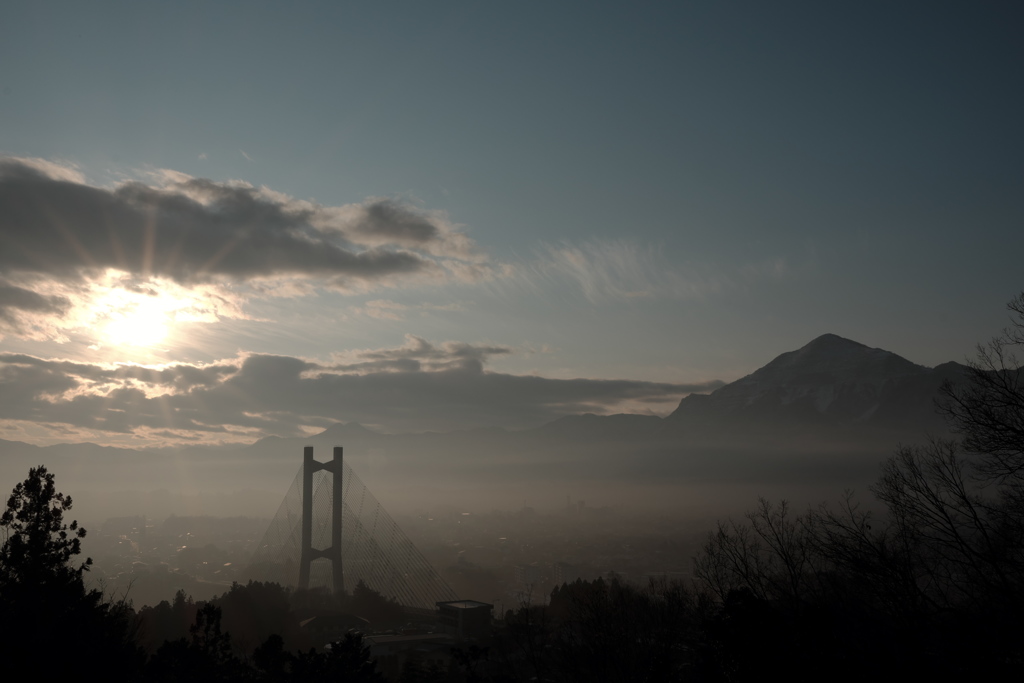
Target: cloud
[
  {"x": 57, "y": 228},
  {"x": 99, "y": 377},
  {"x": 29, "y": 314},
  {"x": 381, "y": 221},
  {"x": 18, "y": 298},
  {"x": 417, "y": 386},
  {"x": 195, "y": 230},
  {"x": 417, "y": 354},
  {"x": 385, "y": 309},
  {"x": 65, "y": 171},
  {"x": 619, "y": 270}
]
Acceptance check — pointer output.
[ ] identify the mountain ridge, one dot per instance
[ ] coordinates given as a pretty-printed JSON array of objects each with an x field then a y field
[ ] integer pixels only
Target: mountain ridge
[{"x": 828, "y": 380}]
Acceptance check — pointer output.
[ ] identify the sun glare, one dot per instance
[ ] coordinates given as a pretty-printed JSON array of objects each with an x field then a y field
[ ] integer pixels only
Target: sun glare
[
  {"x": 141, "y": 317},
  {"x": 137, "y": 314},
  {"x": 140, "y": 327}
]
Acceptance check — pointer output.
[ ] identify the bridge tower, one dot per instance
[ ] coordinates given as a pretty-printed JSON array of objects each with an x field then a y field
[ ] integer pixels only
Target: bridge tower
[
  {"x": 308, "y": 552},
  {"x": 327, "y": 504}
]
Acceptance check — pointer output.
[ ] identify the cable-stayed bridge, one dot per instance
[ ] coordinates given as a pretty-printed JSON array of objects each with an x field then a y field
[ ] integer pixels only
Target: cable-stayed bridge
[{"x": 331, "y": 531}]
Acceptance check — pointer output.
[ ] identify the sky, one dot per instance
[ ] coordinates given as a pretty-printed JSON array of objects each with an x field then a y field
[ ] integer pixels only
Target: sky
[{"x": 223, "y": 221}]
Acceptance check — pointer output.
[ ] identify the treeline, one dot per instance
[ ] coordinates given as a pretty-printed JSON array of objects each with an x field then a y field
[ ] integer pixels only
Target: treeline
[{"x": 254, "y": 612}]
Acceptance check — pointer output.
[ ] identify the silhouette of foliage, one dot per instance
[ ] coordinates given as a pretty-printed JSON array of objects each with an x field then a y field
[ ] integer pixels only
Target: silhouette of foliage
[
  {"x": 597, "y": 631},
  {"x": 208, "y": 654},
  {"x": 988, "y": 410},
  {"x": 373, "y": 606},
  {"x": 254, "y": 612},
  {"x": 345, "y": 660},
  {"x": 166, "y": 621},
  {"x": 43, "y": 600},
  {"x": 416, "y": 671},
  {"x": 38, "y": 546},
  {"x": 204, "y": 656}
]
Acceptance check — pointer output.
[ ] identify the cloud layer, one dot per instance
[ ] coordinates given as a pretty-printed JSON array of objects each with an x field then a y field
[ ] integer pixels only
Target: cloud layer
[{"x": 415, "y": 387}]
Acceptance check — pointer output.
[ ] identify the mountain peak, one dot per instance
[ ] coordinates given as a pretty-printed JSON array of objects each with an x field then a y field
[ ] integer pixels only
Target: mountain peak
[
  {"x": 830, "y": 375},
  {"x": 837, "y": 356},
  {"x": 832, "y": 341}
]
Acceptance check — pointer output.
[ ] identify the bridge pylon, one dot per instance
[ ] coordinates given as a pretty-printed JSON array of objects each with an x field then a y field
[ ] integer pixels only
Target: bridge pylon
[
  {"x": 332, "y": 553},
  {"x": 329, "y": 514}
]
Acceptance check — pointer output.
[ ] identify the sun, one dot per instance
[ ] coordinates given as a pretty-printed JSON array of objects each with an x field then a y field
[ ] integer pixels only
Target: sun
[
  {"x": 126, "y": 313},
  {"x": 146, "y": 315},
  {"x": 138, "y": 326}
]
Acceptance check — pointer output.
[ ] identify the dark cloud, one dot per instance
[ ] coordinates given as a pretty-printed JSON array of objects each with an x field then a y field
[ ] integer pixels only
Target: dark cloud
[
  {"x": 419, "y": 354},
  {"x": 13, "y": 299},
  {"x": 24, "y": 387},
  {"x": 195, "y": 230},
  {"x": 180, "y": 377},
  {"x": 278, "y": 394},
  {"x": 31, "y": 315},
  {"x": 387, "y": 220}
]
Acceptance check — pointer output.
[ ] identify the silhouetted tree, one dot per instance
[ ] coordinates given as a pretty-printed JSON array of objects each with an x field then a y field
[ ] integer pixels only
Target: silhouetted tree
[
  {"x": 38, "y": 546},
  {"x": 255, "y": 611},
  {"x": 204, "y": 656},
  {"x": 374, "y": 606},
  {"x": 988, "y": 410},
  {"x": 44, "y": 605},
  {"x": 416, "y": 671},
  {"x": 166, "y": 621},
  {"x": 470, "y": 663},
  {"x": 272, "y": 660},
  {"x": 527, "y": 636},
  {"x": 345, "y": 660},
  {"x": 207, "y": 654}
]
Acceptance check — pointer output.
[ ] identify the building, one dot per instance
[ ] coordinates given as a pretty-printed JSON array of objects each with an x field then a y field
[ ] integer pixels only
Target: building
[{"x": 465, "y": 619}]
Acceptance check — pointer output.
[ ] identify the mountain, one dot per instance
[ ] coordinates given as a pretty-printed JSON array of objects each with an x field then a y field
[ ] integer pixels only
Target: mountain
[{"x": 830, "y": 382}]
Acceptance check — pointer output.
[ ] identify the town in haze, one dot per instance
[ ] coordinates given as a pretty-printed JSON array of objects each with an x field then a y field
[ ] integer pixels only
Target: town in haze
[{"x": 453, "y": 342}]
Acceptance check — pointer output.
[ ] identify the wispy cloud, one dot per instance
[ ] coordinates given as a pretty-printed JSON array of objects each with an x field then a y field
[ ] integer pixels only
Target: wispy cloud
[
  {"x": 620, "y": 270},
  {"x": 65, "y": 171},
  {"x": 385, "y": 309}
]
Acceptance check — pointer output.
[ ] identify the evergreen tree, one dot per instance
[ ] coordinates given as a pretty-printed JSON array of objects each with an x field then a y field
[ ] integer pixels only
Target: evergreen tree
[
  {"x": 38, "y": 546},
  {"x": 45, "y": 606}
]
